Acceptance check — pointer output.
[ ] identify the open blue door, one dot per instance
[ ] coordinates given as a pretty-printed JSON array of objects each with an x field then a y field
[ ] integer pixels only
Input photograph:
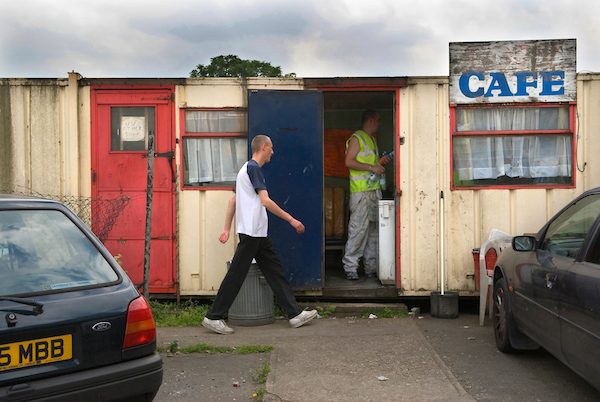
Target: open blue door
[{"x": 294, "y": 122}]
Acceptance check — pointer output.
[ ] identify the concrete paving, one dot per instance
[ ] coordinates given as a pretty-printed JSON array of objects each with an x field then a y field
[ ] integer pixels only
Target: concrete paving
[{"x": 334, "y": 359}]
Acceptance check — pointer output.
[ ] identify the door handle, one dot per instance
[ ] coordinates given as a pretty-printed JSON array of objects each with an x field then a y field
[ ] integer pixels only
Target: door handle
[{"x": 550, "y": 281}]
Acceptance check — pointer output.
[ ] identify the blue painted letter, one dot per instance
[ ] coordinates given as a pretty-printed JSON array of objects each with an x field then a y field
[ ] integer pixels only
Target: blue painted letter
[
  {"x": 548, "y": 83},
  {"x": 464, "y": 85},
  {"x": 522, "y": 83},
  {"x": 498, "y": 82}
]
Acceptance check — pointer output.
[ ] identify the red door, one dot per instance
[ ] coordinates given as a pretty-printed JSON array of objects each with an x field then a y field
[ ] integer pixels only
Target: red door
[{"x": 121, "y": 121}]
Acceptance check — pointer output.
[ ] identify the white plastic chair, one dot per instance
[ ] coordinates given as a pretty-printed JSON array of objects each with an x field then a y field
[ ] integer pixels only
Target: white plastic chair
[{"x": 499, "y": 241}]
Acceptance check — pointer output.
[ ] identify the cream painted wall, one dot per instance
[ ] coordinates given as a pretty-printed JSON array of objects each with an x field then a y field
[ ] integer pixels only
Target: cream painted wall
[
  {"x": 46, "y": 114},
  {"x": 469, "y": 215},
  {"x": 202, "y": 258},
  {"x": 38, "y": 134},
  {"x": 588, "y": 107},
  {"x": 50, "y": 136},
  {"x": 84, "y": 127},
  {"x": 419, "y": 160}
]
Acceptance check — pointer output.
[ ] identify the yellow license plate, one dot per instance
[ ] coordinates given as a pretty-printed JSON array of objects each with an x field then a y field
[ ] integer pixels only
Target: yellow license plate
[{"x": 35, "y": 352}]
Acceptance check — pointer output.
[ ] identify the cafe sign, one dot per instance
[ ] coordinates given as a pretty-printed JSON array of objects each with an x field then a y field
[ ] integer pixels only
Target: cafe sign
[{"x": 513, "y": 71}]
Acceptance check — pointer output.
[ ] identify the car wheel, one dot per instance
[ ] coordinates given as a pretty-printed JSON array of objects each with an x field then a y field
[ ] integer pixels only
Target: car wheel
[{"x": 502, "y": 317}]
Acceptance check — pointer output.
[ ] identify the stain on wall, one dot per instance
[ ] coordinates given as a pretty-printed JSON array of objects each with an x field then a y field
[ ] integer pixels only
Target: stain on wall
[{"x": 6, "y": 141}]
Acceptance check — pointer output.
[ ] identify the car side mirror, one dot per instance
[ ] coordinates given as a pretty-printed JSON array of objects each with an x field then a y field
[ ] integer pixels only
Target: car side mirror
[{"x": 523, "y": 243}]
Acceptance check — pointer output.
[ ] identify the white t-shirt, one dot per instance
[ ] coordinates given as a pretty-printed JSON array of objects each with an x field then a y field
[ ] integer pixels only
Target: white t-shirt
[{"x": 251, "y": 215}]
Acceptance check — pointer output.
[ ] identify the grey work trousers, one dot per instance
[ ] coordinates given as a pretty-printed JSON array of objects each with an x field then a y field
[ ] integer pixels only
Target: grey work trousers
[{"x": 363, "y": 232}]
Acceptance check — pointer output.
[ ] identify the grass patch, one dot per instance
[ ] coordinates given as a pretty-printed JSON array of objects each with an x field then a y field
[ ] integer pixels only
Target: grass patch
[
  {"x": 383, "y": 313},
  {"x": 172, "y": 315},
  {"x": 250, "y": 349},
  {"x": 205, "y": 348},
  {"x": 173, "y": 347},
  {"x": 260, "y": 375}
]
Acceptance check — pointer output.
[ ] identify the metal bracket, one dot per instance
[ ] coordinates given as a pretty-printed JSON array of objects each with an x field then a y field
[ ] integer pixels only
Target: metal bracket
[{"x": 170, "y": 155}]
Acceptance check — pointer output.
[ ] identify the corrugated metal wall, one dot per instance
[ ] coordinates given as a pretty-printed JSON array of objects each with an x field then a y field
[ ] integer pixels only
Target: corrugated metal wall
[
  {"x": 39, "y": 147},
  {"x": 469, "y": 215},
  {"x": 45, "y": 145}
]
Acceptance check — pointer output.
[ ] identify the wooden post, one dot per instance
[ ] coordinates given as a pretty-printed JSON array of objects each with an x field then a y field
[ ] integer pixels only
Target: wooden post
[{"x": 146, "y": 290}]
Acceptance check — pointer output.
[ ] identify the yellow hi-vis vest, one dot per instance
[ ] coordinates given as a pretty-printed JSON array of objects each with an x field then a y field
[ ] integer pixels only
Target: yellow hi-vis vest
[{"x": 367, "y": 154}]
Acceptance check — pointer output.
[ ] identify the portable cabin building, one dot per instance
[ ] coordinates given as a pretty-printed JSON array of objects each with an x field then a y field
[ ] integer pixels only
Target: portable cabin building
[{"x": 88, "y": 139}]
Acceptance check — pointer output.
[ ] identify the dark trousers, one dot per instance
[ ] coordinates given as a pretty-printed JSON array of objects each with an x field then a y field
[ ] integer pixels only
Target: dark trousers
[{"x": 260, "y": 248}]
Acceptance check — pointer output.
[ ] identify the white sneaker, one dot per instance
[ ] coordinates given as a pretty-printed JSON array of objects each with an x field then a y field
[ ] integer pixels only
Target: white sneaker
[
  {"x": 218, "y": 326},
  {"x": 303, "y": 318}
]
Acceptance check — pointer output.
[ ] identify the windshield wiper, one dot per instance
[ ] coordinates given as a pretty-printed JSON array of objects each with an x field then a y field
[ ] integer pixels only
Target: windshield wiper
[{"x": 37, "y": 307}]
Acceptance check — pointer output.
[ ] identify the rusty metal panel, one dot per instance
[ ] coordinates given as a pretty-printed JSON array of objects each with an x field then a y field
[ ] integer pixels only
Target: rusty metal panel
[{"x": 513, "y": 71}]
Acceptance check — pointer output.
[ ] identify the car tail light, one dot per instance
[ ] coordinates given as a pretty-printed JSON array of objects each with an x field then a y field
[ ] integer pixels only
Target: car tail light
[{"x": 140, "y": 328}]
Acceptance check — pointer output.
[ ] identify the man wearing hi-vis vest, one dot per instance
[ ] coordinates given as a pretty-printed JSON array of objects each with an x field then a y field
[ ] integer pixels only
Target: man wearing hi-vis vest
[{"x": 365, "y": 170}]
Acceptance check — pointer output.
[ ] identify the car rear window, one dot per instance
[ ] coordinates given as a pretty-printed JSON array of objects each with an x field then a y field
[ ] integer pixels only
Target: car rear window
[{"x": 43, "y": 250}]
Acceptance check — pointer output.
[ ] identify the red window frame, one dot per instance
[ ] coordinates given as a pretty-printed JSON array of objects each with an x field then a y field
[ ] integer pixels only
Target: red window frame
[
  {"x": 184, "y": 135},
  {"x": 571, "y": 131}
]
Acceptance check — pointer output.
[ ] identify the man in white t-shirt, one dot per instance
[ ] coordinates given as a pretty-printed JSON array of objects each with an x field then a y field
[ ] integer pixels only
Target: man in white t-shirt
[{"x": 251, "y": 203}]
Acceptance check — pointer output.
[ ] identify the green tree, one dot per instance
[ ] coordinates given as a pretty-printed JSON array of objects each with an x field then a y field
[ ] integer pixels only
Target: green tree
[{"x": 233, "y": 66}]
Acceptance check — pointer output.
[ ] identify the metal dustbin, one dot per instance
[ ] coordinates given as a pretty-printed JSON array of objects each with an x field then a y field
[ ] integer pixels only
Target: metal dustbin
[{"x": 254, "y": 303}]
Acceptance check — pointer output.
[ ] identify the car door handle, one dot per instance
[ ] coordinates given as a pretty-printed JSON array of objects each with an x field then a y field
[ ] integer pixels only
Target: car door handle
[{"x": 550, "y": 281}]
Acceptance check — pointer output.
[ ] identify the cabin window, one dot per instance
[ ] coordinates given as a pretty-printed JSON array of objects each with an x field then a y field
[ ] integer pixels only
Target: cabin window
[
  {"x": 130, "y": 127},
  {"x": 215, "y": 147},
  {"x": 512, "y": 146}
]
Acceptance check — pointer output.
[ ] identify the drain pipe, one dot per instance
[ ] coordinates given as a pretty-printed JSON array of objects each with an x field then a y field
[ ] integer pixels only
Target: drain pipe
[{"x": 442, "y": 264}]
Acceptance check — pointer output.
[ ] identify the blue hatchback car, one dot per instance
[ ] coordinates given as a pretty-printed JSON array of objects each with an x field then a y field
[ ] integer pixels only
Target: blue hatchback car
[
  {"x": 547, "y": 289},
  {"x": 72, "y": 325}
]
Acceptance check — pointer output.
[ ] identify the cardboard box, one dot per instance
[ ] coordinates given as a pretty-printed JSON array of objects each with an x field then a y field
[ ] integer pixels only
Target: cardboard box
[{"x": 335, "y": 216}]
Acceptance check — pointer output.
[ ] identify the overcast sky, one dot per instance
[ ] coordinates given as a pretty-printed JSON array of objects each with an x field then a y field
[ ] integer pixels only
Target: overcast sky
[{"x": 312, "y": 38}]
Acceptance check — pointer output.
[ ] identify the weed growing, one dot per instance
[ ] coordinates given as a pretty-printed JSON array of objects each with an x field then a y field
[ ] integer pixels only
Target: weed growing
[
  {"x": 326, "y": 313},
  {"x": 260, "y": 375},
  {"x": 250, "y": 349},
  {"x": 260, "y": 394},
  {"x": 205, "y": 348},
  {"x": 173, "y": 347},
  {"x": 171, "y": 315},
  {"x": 383, "y": 313}
]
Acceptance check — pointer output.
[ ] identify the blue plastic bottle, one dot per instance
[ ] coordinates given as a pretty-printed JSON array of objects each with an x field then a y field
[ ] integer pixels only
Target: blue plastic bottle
[{"x": 382, "y": 183}]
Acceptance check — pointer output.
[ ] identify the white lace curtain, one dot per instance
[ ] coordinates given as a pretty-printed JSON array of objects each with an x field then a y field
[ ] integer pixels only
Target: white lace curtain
[
  {"x": 214, "y": 159},
  {"x": 528, "y": 156},
  {"x": 216, "y": 121}
]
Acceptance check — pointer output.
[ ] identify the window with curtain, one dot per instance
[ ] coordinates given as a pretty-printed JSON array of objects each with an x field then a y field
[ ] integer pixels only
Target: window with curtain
[
  {"x": 512, "y": 146},
  {"x": 215, "y": 147}
]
